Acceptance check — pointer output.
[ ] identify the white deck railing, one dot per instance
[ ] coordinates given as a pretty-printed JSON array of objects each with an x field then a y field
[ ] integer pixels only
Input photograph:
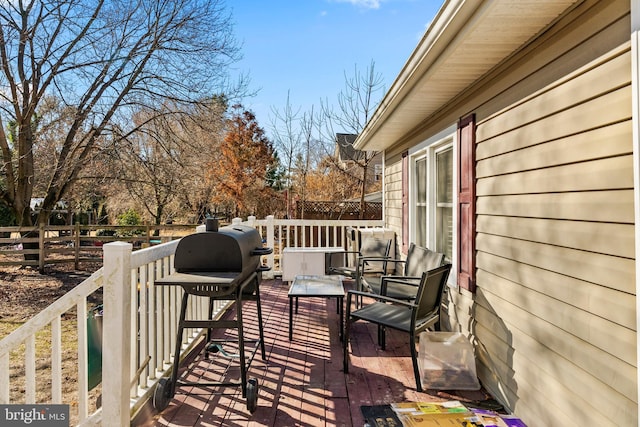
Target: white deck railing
[
  {"x": 139, "y": 327},
  {"x": 282, "y": 233}
]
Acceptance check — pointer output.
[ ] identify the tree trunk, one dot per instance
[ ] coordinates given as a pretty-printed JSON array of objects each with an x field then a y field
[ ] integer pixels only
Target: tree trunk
[
  {"x": 159, "y": 211},
  {"x": 363, "y": 189},
  {"x": 31, "y": 234}
]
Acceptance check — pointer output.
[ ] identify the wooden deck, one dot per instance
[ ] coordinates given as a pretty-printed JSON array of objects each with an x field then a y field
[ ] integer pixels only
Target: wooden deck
[{"x": 301, "y": 382}]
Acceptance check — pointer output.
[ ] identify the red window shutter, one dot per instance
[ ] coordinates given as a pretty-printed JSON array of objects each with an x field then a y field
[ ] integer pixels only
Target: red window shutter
[
  {"x": 466, "y": 203},
  {"x": 405, "y": 202}
]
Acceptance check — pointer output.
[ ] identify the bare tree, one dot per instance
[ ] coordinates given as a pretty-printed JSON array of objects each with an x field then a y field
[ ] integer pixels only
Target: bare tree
[
  {"x": 356, "y": 104},
  {"x": 165, "y": 164},
  {"x": 297, "y": 137},
  {"x": 287, "y": 138},
  {"x": 203, "y": 132},
  {"x": 104, "y": 60},
  {"x": 149, "y": 165},
  {"x": 304, "y": 165}
]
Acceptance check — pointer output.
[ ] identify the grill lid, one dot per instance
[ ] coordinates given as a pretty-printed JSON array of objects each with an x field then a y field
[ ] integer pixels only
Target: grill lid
[{"x": 234, "y": 248}]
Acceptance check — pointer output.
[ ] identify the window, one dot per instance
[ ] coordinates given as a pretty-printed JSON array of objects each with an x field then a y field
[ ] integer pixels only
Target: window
[
  {"x": 377, "y": 170},
  {"x": 444, "y": 203},
  {"x": 432, "y": 199},
  {"x": 420, "y": 205}
]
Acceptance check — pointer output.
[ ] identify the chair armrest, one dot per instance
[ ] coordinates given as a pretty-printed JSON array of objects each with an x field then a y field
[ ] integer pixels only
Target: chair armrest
[
  {"x": 398, "y": 261},
  {"x": 380, "y": 298},
  {"x": 395, "y": 262},
  {"x": 364, "y": 262},
  {"x": 343, "y": 255},
  {"x": 382, "y": 258},
  {"x": 400, "y": 279},
  {"x": 375, "y": 258},
  {"x": 410, "y": 281},
  {"x": 366, "y": 259}
]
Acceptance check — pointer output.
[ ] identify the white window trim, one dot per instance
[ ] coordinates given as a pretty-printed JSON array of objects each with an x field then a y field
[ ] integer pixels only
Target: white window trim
[
  {"x": 413, "y": 186},
  {"x": 429, "y": 148}
]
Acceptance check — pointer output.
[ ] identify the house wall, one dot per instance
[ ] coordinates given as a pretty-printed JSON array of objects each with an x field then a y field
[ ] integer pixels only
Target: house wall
[
  {"x": 392, "y": 194},
  {"x": 553, "y": 317}
]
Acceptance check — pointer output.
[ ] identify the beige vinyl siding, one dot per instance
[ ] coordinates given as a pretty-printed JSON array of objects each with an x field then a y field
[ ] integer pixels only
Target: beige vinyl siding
[
  {"x": 558, "y": 382},
  {"x": 610, "y": 205},
  {"x": 555, "y": 306},
  {"x": 393, "y": 199},
  {"x": 553, "y": 320}
]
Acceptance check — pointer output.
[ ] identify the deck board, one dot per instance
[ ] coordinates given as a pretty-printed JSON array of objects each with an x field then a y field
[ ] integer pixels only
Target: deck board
[{"x": 301, "y": 382}]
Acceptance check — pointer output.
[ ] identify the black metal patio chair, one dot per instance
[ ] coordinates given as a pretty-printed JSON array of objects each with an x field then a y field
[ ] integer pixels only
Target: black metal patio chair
[
  {"x": 403, "y": 286},
  {"x": 409, "y": 317},
  {"x": 370, "y": 260}
]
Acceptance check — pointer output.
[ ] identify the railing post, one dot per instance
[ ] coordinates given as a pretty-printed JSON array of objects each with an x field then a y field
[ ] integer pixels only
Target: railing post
[
  {"x": 116, "y": 378},
  {"x": 42, "y": 254},
  {"x": 271, "y": 240},
  {"x": 76, "y": 246}
]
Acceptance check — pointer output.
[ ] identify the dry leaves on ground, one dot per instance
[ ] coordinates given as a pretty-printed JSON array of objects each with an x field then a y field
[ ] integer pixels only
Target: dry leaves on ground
[{"x": 24, "y": 292}]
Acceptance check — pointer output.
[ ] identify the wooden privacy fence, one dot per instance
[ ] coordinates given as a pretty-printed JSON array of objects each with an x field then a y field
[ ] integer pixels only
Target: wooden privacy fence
[
  {"x": 338, "y": 210},
  {"x": 38, "y": 246}
]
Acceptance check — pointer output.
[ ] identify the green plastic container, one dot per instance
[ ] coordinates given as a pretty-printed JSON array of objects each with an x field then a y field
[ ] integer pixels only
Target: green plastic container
[{"x": 94, "y": 346}]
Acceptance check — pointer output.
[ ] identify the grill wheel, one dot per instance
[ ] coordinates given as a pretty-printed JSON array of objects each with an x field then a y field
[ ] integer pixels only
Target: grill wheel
[{"x": 252, "y": 395}]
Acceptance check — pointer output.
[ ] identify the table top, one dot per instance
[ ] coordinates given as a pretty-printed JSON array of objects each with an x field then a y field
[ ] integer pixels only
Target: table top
[{"x": 317, "y": 286}]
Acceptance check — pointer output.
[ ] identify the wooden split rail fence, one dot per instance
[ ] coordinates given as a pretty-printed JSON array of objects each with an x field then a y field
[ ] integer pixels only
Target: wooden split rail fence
[{"x": 39, "y": 246}]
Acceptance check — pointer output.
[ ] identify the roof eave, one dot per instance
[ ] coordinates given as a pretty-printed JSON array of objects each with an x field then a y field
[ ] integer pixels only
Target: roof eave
[{"x": 418, "y": 90}]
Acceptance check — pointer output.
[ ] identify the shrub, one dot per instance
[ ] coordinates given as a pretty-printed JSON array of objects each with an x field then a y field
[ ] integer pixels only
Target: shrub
[
  {"x": 7, "y": 218},
  {"x": 130, "y": 217}
]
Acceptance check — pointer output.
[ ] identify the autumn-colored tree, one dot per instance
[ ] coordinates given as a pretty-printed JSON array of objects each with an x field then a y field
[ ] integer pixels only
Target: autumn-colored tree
[
  {"x": 246, "y": 159},
  {"x": 328, "y": 183}
]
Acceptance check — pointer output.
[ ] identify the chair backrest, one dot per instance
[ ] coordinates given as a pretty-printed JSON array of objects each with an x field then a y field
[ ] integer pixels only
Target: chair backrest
[
  {"x": 375, "y": 247},
  {"x": 429, "y": 295},
  {"x": 421, "y": 259}
]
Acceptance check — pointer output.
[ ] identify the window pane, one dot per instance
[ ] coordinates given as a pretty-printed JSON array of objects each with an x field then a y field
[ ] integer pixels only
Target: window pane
[
  {"x": 420, "y": 234},
  {"x": 444, "y": 233},
  {"x": 421, "y": 181},
  {"x": 421, "y": 226},
  {"x": 444, "y": 164},
  {"x": 444, "y": 203}
]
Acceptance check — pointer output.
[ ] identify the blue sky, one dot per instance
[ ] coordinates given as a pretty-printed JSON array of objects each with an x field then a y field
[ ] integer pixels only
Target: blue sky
[{"x": 305, "y": 47}]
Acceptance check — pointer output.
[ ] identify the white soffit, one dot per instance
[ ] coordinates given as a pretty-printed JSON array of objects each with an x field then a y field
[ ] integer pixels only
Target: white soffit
[{"x": 466, "y": 39}]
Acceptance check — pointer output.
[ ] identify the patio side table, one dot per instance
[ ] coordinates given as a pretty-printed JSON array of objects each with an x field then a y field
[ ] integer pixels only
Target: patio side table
[{"x": 316, "y": 287}]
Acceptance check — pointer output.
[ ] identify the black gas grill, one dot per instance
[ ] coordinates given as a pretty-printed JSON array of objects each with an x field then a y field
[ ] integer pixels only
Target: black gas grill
[
  {"x": 229, "y": 249},
  {"x": 222, "y": 264},
  {"x": 231, "y": 254}
]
